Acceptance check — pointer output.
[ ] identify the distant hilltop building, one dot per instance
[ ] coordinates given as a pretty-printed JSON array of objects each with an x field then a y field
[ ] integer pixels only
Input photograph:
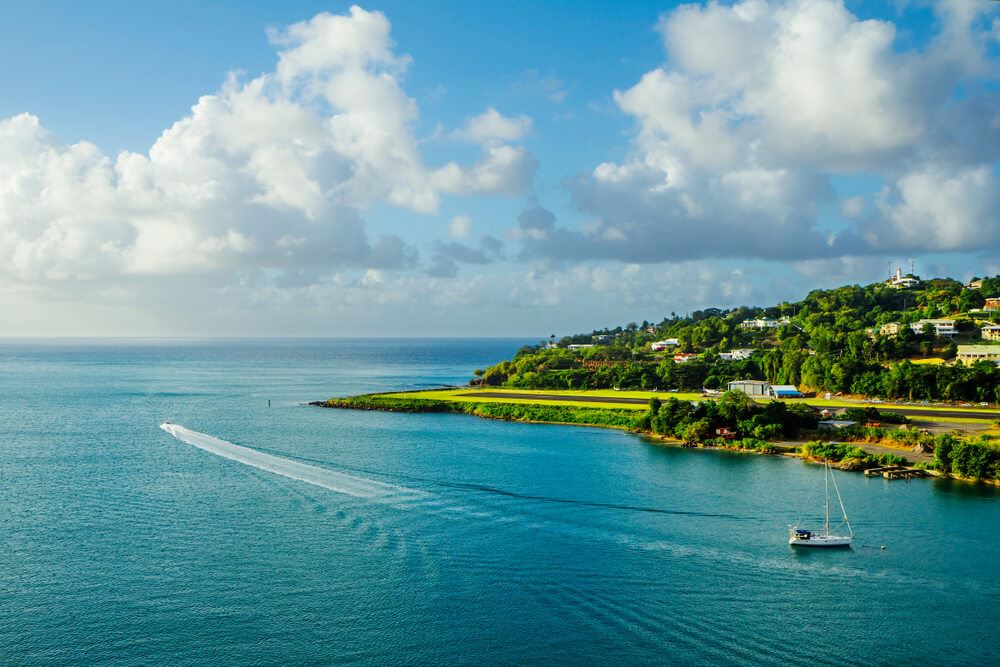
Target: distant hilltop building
[
  {"x": 735, "y": 355},
  {"x": 763, "y": 323},
  {"x": 991, "y": 332},
  {"x": 941, "y": 327},
  {"x": 899, "y": 281},
  {"x": 890, "y": 329},
  {"x": 661, "y": 345},
  {"x": 975, "y": 284},
  {"x": 970, "y": 354}
]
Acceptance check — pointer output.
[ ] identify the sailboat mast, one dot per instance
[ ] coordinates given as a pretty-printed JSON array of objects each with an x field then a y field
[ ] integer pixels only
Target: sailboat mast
[
  {"x": 826, "y": 490},
  {"x": 842, "y": 508}
]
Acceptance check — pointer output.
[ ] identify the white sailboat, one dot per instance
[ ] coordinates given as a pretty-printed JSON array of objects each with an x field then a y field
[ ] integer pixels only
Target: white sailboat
[{"x": 799, "y": 537}]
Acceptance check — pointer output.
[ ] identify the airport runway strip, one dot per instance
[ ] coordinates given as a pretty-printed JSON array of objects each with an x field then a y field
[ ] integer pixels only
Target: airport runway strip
[{"x": 625, "y": 400}]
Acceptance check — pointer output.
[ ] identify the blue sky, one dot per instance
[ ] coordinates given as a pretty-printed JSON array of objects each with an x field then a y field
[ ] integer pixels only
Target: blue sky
[
  {"x": 641, "y": 158},
  {"x": 80, "y": 65}
]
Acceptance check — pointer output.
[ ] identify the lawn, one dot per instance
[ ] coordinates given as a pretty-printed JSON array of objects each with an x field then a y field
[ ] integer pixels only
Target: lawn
[{"x": 917, "y": 421}]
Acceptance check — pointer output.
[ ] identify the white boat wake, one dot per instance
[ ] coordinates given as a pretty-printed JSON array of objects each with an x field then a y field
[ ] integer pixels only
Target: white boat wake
[{"x": 339, "y": 482}]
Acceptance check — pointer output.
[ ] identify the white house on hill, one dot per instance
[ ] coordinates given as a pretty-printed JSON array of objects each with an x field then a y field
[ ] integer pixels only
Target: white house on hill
[
  {"x": 941, "y": 327},
  {"x": 763, "y": 323}
]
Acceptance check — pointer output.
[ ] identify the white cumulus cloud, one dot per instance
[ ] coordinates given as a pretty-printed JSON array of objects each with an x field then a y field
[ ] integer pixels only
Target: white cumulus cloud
[
  {"x": 762, "y": 104},
  {"x": 491, "y": 126},
  {"x": 271, "y": 174}
]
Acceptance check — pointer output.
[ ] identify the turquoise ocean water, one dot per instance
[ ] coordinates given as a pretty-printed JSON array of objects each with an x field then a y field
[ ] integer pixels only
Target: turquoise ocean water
[{"x": 435, "y": 539}]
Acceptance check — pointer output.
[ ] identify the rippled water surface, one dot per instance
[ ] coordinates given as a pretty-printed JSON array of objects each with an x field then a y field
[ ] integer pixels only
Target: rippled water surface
[{"x": 289, "y": 534}]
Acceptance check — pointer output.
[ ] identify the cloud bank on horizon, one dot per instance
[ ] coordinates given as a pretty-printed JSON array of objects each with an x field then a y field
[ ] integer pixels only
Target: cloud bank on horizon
[{"x": 264, "y": 197}]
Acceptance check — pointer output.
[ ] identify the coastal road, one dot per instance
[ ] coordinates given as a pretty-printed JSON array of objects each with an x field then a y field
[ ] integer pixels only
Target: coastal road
[{"x": 903, "y": 410}]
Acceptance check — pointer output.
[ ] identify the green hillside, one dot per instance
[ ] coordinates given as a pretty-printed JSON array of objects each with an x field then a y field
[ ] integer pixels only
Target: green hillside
[{"x": 831, "y": 341}]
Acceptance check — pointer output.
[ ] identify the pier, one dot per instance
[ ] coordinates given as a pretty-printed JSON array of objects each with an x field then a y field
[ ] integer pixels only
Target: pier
[{"x": 896, "y": 472}]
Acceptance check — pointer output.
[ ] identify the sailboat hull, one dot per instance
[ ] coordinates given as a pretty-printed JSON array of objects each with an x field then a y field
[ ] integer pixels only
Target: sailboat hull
[{"x": 820, "y": 541}]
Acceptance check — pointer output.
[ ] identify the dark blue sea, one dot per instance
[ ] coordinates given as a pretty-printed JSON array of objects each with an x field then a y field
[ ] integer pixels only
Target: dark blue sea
[{"x": 436, "y": 539}]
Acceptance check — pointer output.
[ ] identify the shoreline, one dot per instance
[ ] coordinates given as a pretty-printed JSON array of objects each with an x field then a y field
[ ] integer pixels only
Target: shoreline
[{"x": 787, "y": 449}]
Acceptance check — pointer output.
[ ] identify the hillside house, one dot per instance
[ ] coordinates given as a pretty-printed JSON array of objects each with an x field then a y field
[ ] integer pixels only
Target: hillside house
[
  {"x": 661, "y": 345},
  {"x": 970, "y": 354},
  {"x": 763, "y": 323},
  {"x": 736, "y": 355},
  {"x": 993, "y": 303},
  {"x": 991, "y": 332},
  {"x": 758, "y": 324},
  {"x": 890, "y": 329},
  {"x": 941, "y": 327}
]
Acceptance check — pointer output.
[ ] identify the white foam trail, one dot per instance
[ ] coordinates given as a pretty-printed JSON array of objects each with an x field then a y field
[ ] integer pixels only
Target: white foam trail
[{"x": 338, "y": 482}]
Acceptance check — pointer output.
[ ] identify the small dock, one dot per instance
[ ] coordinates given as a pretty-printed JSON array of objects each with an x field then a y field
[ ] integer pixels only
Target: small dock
[{"x": 895, "y": 472}]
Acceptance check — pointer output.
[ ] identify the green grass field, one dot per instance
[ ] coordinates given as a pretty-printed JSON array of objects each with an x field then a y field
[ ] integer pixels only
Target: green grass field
[{"x": 917, "y": 421}]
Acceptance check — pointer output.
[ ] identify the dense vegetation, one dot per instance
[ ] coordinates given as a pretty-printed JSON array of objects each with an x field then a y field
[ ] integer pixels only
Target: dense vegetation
[
  {"x": 830, "y": 342},
  {"x": 968, "y": 458},
  {"x": 850, "y": 456},
  {"x": 556, "y": 414},
  {"x": 735, "y": 411}
]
